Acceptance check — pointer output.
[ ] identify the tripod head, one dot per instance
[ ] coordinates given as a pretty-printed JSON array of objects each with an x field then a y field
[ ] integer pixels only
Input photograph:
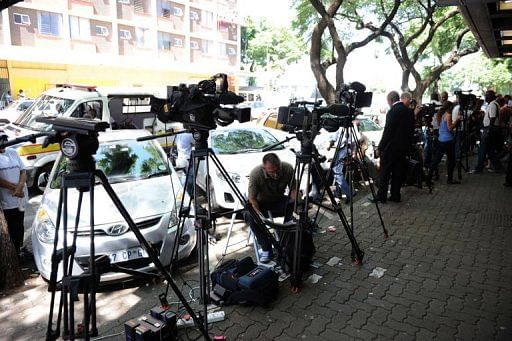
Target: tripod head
[{"x": 78, "y": 139}]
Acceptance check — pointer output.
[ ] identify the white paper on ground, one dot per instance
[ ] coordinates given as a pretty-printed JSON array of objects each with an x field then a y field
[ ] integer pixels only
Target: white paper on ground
[
  {"x": 333, "y": 261},
  {"x": 378, "y": 272},
  {"x": 314, "y": 278}
]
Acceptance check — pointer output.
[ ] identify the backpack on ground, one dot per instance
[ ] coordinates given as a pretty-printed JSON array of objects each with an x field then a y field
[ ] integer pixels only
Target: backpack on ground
[{"x": 243, "y": 282}]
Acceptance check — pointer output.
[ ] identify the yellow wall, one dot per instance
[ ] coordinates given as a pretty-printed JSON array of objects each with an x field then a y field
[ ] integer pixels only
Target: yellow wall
[{"x": 35, "y": 78}]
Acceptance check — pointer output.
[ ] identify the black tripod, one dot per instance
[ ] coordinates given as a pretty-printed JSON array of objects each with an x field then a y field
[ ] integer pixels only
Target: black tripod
[
  {"x": 205, "y": 217},
  {"x": 346, "y": 139},
  {"x": 306, "y": 161},
  {"x": 79, "y": 144},
  {"x": 462, "y": 136}
]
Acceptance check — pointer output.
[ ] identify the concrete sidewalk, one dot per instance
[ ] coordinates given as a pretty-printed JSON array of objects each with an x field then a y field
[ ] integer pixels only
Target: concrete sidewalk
[{"x": 448, "y": 275}]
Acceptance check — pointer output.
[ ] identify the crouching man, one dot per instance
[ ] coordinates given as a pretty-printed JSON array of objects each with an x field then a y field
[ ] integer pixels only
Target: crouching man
[{"x": 267, "y": 185}]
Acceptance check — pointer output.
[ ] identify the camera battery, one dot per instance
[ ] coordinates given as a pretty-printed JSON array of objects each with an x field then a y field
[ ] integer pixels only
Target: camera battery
[
  {"x": 151, "y": 329},
  {"x": 158, "y": 312},
  {"x": 129, "y": 329}
]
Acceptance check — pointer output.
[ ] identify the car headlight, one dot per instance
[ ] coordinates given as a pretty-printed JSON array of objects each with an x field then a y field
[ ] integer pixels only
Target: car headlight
[
  {"x": 234, "y": 176},
  {"x": 45, "y": 230}
]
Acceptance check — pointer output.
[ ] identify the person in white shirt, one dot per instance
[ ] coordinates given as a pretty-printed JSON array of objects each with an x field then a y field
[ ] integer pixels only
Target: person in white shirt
[
  {"x": 13, "y": 194},
  {"x": 184, "y": 143},
  {"x": 489, "y": 134}
]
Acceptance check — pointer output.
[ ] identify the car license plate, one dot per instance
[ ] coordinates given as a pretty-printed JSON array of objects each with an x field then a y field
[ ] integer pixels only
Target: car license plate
[{"x": 129, "y": 254}]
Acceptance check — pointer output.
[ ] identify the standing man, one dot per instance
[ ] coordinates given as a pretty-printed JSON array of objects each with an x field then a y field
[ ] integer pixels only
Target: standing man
[
  {"x": 184, "y": 144},
  {"x": 13, "y": 193},
  {"x": 21, "y": 94},
  {"x": 396, "y": 140},
  {"x": 490, "y": 134},
  {"x": 267, "y": 185}
]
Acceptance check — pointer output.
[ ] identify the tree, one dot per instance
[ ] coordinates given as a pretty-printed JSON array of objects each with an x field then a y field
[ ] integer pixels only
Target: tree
[
  {"x": 269, "y": 48},
  {"x": 426, "y": 40},
  {"x": 480, "y": 73},
  {"x": 10, "y": 269},
  {"x": 342, "y": 19}
]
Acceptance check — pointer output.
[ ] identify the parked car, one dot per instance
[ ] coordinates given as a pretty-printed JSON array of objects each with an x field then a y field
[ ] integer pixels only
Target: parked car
[
  {"x": 363, "y": 124},
  {"x": 239, "y": 148},
  {"x": 148, "y": 187},
  {"x": 122, "y": 107},
  {"x": 14, "y": 110}
]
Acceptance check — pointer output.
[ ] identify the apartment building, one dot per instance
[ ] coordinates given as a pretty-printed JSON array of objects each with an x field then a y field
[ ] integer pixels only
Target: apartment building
[{"x": 116, "y": 42}]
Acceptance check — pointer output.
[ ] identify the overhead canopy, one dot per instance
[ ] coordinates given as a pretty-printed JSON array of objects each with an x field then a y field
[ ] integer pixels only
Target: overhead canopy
[
  {"x": 490, "y": 22},
  {"x": 6, "y": 3}
]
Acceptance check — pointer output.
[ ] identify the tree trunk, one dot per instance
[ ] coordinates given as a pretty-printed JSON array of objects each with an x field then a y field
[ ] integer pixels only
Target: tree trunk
[{"x": 10, "y": 269}]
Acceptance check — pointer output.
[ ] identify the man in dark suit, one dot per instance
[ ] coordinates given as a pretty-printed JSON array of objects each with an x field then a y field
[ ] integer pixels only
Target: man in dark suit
[{"x": 396, "y": 140}]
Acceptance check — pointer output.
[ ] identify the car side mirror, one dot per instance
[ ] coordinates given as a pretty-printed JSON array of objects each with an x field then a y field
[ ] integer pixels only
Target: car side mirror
[{"x": 42, "y": 181}]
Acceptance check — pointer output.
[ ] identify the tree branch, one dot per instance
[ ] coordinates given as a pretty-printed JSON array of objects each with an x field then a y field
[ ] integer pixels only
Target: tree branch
[
  {"x": 432, "y": 31},
  {"x": 429, "y": 12},
  {"x": 378, "y": 31}
]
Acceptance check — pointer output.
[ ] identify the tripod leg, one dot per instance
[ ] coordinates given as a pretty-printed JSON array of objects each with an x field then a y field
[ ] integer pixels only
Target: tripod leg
[
  {"x": 151, "y": 252},
  {"x": 367, "y": 177},
  {"x": 52, "y": 334},
  {"x": 357, "y": 253},
  {"x": 94, "y": 279}
]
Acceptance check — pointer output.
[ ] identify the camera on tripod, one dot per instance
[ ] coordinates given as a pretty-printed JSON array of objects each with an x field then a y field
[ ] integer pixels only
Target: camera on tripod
[
  {"x": 78, "y": 138},
  {"x": 427, "y": 113},
  {"x": 299, "y": 115},
  {"x": 466, "y": 100},
  {"x": 199, "y": 106}
]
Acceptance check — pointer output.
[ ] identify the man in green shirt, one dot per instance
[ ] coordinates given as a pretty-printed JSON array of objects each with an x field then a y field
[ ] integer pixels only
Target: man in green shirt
[{"x": 267, "y": 186}]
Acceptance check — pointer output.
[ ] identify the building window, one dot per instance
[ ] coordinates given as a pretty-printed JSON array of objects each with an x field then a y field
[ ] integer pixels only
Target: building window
[
  {"x": 194, "y": 15},
  {"x": 223, "y": 27},
  {"x": 142, "y": 37},
  {"x": 194, "y": 45},
  {"x": 176, "y": 11},
  {"x": 49, "y": 23},
  {"x": 125, "y": 2},
  {"x": 101, "y": 31},
  {"x": 165, "y": 9},
  {"x": 231, "y": 51},
  {"x": 125, "y": 35},
  {"x": 178, "y": 42},
  {"x": 21, "y": 19},
  {"x": 164, "y": 41},
  {"x": 222, "y": 49},
  {"x": 207, "y": 46},
  {"x": 140, "y": 6},
  {"x": 79, "y": 28},
  {"x": 207, "y": 19}
]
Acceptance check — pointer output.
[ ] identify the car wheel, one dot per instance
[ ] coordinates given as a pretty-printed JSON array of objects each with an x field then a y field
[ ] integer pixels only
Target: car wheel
[{"x": 45, "y": 169}]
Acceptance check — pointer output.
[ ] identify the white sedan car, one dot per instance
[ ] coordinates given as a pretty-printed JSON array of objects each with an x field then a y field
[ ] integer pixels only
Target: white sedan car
[
  {"x": 239, "y": 149},
  {"x": 148, "y": 187},
  {"x": 14, "y": 110}
]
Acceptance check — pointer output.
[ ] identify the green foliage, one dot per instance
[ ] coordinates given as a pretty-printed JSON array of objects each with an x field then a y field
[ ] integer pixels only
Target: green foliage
[
  {"x": 268, "y": 47},
  {"x": 481, "y": 72}
]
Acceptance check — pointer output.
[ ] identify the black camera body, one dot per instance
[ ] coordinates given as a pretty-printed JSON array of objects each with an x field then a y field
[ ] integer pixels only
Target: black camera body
[
  {"x": 340, "y": 114},
  {"x": 427, "y": 113},
  {"x": 199, "y": 106},
  {"x": 466, "y": 100},
  {"x": 78, "y": 138}
]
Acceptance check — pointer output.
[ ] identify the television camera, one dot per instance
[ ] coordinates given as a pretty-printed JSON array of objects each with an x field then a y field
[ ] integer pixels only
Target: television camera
[
  {"x": 466, "y": 99},
  {"x": 201, "y": 106},
  {"x": 350, "y": 97}
]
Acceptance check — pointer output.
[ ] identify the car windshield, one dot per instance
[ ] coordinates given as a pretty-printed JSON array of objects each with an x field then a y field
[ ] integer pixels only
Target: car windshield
[
  {"x": 368, "y": 125},
  {"x": 123, "y": 161},
  {"x": 235, "y": 141},
  {"x": 44, "y": 106}
]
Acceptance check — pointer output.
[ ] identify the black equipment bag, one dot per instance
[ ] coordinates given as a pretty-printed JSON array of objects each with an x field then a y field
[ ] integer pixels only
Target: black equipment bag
[
  {"x": 308, "y": 250},
  {"x": 243, "y": 282}
]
